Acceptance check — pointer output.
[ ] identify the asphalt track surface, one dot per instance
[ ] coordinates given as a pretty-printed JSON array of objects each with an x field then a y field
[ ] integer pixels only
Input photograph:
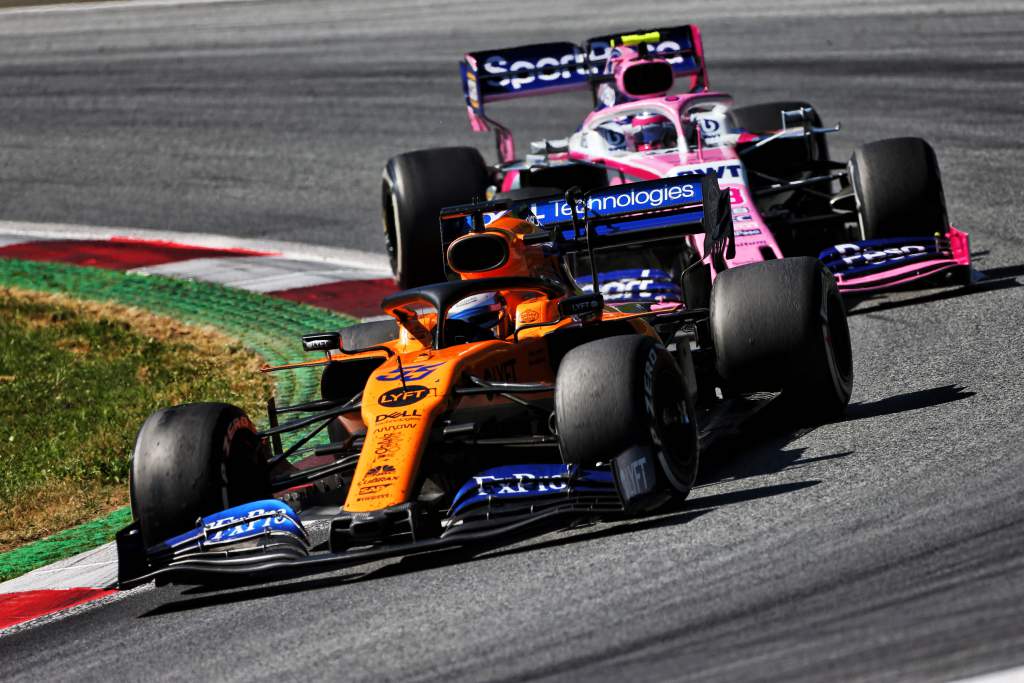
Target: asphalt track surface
[{"x": 885, "y": 547}]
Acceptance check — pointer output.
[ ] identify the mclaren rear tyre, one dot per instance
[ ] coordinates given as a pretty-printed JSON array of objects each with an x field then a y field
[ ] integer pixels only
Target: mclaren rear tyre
[
  {"x": 623, "y": 400},
  {"x": 416, "y": 186},
  {"x": 781, "y": 326},
  {"x": 193, "y": 460},
  {"x": 898, "y": 189}
]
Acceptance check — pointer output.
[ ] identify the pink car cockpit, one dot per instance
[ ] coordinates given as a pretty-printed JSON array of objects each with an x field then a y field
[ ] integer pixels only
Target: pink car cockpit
[{"x": 687, "y": 122}]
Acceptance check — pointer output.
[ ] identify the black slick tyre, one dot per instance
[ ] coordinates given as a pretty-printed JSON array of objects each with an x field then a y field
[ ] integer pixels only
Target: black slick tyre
[
  {"x": 623, "y": 395},
  {"x": 193, "y": 460},
  {"x": 898, "y": 189},
  {"x": 779, "y": 157},
  {"x": 415, "y": 187},
  {"x": 781, "y": 326}
]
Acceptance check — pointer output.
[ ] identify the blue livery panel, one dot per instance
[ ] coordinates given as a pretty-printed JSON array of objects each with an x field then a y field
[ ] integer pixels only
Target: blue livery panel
[
  {"x": 240, "y": 523},
  {"x": 866, "y": 256},
  {"x": 625, "y": 200},
  {"x": 635, "y": 285},
  {"x": 536, "y": 480}
]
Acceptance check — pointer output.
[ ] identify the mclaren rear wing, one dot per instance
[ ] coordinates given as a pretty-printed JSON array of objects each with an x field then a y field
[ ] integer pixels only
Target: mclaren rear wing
[{"x": 613, "y": 217}]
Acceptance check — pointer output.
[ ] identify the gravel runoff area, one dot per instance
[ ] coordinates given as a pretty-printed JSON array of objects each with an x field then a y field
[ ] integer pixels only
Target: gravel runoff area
[{"x": 883, "y": 547}]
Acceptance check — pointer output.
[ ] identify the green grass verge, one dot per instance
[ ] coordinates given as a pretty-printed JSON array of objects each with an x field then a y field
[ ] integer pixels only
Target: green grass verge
[
  {"x": 63, "y": 544},
  {"x": 77, "y": 378},
  {"x": 269, "y": 327}
]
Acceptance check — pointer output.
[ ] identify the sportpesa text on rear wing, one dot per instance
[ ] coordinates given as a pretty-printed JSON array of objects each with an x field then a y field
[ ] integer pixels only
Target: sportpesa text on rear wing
[
  {"x": 612, "y": 217},
  {"x": 543, "y": 68}
]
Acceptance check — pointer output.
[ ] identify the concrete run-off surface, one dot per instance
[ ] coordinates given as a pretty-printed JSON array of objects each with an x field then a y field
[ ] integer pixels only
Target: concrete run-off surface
[{"x": 883, "y": 547}]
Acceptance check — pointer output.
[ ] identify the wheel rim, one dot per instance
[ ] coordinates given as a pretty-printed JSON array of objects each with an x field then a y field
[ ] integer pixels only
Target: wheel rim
[
  {"x": 390, "y": 227},
  {"x": 836, "y": 335},
  {"x": 672, "y": 426}
]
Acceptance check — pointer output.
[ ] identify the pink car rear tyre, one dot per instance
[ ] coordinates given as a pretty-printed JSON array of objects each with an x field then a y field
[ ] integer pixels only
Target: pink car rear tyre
[{"x": 415, "y": 187}]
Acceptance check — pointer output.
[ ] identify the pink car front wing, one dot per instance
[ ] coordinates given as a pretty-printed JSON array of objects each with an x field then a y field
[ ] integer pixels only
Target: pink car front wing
[{"x": 872, "y": 265}]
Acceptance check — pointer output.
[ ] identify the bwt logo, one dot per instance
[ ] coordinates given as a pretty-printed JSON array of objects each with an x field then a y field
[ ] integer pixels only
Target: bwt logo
[
  {"x": 634, "y": 200},
  {"x": 725, "y": 172},
  {"x": 551, "y": 69}
]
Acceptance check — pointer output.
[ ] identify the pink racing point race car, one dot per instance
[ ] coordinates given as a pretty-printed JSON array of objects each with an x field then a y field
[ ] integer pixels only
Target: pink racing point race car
[{"x": 876, "y": 221}]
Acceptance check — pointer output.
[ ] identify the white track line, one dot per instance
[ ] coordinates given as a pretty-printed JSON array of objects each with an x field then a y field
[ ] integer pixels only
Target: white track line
[
  {"x": 77, "y": 609},
  {"x": 347, "y": 258},
  {"x": 260, "y": 273},
  {"x": 96, "y": 568},
  {"x": 1008, "y": 676},
  {"x": 10, "y": 239},
  {"x": 112, "y": 4}
]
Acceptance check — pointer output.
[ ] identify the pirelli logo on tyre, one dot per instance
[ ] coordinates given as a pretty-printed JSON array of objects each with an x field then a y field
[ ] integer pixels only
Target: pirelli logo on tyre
[{"x": 403, "y": 396}]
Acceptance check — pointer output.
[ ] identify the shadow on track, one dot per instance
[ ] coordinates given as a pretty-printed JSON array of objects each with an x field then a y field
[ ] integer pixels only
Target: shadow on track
[
  {"x": 1004, "y": 272},
  {"x": 212, "y": 597},
  {"x": 761, "y": 448},
  {"x": 996, "y": 279},
  {"x": 682, "y": 514},
  {"x": 758, "y": 451},
  {"x": 687, "y": 511},
  {"x": 913, "y": 400}
]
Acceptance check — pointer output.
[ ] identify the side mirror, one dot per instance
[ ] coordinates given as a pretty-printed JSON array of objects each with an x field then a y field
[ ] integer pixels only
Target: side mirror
[
  {"x": 322, "y": 341},
  {"x": 804, "y": 116}
]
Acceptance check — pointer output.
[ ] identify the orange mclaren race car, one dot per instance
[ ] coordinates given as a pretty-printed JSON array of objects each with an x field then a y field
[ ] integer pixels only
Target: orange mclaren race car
[{"x": 504, "y": 402}]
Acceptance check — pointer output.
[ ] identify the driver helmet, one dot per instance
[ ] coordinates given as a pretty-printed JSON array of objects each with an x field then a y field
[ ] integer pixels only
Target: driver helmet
[
  {"x": 477, "y": 317},
  {"x": 652, "y": 131}
]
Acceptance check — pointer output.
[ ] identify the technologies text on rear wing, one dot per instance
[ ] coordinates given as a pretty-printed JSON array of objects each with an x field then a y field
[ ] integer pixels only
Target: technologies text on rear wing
[{"x": 613, "y": 217}]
